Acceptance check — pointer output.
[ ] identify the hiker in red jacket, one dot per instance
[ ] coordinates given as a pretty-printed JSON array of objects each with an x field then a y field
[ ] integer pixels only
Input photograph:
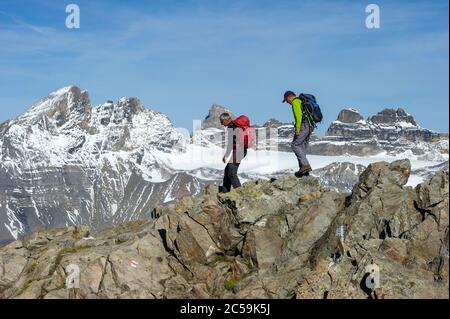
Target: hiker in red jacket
[{"x": 240, "y": 137}]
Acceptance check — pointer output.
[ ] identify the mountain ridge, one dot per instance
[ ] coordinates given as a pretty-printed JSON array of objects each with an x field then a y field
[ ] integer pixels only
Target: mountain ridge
[{"x": 268, "y": 239}]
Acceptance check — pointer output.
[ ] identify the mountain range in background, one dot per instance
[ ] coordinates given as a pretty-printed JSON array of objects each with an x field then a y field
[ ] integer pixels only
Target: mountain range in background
[{"x": 64, "y": 162}]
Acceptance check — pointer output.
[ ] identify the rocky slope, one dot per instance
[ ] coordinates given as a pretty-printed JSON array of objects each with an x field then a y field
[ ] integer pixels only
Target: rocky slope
[{"x": 268, "y": 239}]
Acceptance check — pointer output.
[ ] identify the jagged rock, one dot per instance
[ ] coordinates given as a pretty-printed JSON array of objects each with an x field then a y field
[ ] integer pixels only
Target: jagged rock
[
  {"x": 393, "y": 116},
  {"x": 389, "y": 209},
  {"x": 251, "y": 203},
  {"x": 13, "y": 259},
  {"x": 349, "y": 116},
  {"x": 384, "y": 224},
  {"x": 433, "y": 194},
  {"x": 212, "y": 119},
  {"x": 396, "y": 173}
]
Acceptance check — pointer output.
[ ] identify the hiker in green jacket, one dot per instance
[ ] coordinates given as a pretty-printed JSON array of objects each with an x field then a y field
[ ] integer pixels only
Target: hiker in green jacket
[{"x": 302, "y": 133}]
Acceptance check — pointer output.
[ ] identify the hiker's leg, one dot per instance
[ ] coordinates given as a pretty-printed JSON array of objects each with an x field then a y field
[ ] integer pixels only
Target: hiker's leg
[
  {"x": 233, "y": 175},
  {"x": 300, "y": 143},
  {"x": 308, "y": 139},
  {"x": 305, "y": 134},
  {"x": 226, "y": 180},
  {"x": 295, "y": 146}
]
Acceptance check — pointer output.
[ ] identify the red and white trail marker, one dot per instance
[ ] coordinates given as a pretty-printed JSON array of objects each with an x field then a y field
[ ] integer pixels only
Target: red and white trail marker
[{"x": 133, "y": 263}]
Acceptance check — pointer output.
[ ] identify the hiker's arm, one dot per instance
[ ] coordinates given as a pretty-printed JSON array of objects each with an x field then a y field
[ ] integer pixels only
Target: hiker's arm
[{"x": 298, "y": 114}]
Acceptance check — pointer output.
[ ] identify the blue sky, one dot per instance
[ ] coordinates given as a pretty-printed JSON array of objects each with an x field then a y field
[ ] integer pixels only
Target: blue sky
[{"x": 180, "y": 57}]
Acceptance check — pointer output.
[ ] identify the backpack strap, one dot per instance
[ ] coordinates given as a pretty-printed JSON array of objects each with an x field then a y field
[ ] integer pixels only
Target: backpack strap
[{"x": 308, "y": 117}]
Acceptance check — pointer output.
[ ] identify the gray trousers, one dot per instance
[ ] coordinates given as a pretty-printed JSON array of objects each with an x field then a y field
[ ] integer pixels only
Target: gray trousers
[{"x": 300, "y": 144}]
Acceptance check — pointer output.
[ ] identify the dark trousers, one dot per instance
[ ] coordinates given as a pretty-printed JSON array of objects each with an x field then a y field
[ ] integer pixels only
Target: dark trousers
[{"x": 230, "y": 177}]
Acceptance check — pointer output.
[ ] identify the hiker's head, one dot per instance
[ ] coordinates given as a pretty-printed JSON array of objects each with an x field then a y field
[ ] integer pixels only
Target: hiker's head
[
  {"x": 225, "y": 119},
  {"x": 288, "y": 96}
]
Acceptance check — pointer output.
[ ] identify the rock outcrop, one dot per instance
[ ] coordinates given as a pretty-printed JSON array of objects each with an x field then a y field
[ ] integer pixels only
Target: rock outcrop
[
  {"x": 349, "y": 116},
  {"x": 392, "y": 130},
  {"x": 267, "y": 239},
  {"x": 393, "y": 117},
  {"x": 212, "y": 119}
]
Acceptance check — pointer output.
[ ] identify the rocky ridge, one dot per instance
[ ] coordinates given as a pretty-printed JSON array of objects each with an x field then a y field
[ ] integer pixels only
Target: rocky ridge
[{"x": 268, "y": 239}]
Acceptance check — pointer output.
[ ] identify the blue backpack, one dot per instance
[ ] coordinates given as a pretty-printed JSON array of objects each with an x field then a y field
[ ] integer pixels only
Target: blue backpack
[{"x": 311, "y": 108}]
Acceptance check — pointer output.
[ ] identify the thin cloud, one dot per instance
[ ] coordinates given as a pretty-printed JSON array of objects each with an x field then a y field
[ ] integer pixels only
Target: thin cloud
[{"x": 24, "y": 24}]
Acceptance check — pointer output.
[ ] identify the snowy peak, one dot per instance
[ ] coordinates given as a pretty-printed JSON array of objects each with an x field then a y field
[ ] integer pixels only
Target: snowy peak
[
  {"x": 389, "y": 125},
  {"x": 124, "y": 111},
  {"x": 65, "y": 163},
  {"x": 391, "y": 130},
  {"x": 65, "y": 107},
  {"x": 63, "y": 128},
  {"x": 130, "y": 106},
  {"x": 392, "y": 117},
  {"x": 341, "y": 176}
]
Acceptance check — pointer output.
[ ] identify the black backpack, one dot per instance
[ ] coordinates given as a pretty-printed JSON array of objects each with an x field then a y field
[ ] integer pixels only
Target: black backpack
[{"x": 311, "y": 108}]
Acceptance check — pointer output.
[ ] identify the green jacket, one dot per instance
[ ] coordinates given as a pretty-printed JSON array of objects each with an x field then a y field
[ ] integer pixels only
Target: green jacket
[{"x": 298, "y": 113}]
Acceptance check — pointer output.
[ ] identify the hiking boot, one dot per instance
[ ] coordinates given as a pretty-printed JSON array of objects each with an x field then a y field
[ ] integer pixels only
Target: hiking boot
[
  {"x": 222, "y": 190},
  {"x": 298, "y": 174},
  {"x": 303, "y": 171}
]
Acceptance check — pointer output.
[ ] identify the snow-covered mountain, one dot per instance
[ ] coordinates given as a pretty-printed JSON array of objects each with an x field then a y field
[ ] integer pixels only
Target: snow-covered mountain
[
  {"x": 341, "y": 176},
  {"x": 66, "y": 163},
  {"x": 392, "y": 131},
  {"x": 427, "y": 172}
]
